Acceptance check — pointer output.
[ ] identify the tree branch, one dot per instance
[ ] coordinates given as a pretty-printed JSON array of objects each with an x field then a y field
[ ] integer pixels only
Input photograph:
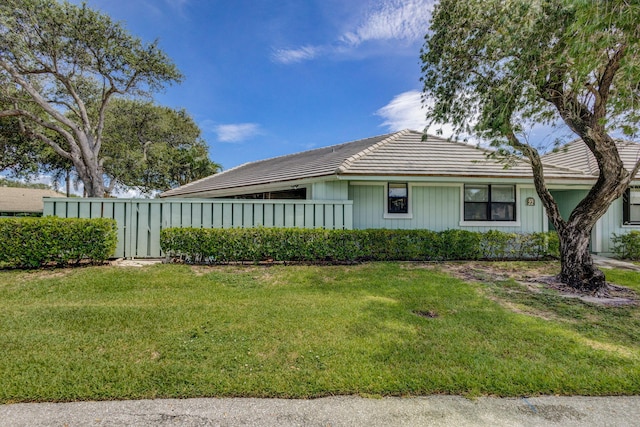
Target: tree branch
[
  {"x": 538, "y": 179},
  {"x": 51, "y": 126},
  {"x": 37, "y": 97},
  {"x": 610, "y": 70}
]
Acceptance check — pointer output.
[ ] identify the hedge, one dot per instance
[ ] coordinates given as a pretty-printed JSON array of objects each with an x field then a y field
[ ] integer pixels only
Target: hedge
[
  {"x": 214, "y": 246},
  {"x": 52, "y": 241}
]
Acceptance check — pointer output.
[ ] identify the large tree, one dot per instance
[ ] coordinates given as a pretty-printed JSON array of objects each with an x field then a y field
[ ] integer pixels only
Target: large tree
[
  {"x": 151, "y": 147},
  {"x": 495, "y": 67},
  {"x": 53, "y": 57},
  {"x": 144, "y": 146}
]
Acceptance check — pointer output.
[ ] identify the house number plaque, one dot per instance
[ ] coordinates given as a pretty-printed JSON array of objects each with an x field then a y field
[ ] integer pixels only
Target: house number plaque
[{"x": 531, "y": 201}]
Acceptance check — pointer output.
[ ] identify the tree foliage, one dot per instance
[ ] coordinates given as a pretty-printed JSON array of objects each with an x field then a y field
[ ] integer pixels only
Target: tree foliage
[
  {"x": 17, "y": 149},
  {"x": 144, "y": 146},
  {"x": 151, "y": 147},
  {"x": 493, "y": 68},
  {"x": 60, "y": 66}
]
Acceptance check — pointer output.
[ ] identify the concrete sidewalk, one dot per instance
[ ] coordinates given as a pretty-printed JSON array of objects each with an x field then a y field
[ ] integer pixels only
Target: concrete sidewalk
[
  {"x": 332, "y": 411},
  {"x": 606, "y": 262}
]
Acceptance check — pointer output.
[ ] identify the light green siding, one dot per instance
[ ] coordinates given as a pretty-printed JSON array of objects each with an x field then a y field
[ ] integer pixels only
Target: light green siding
[
  {"x": 436, "y": 208},
  {"x": 567, "y": 200},
  {"x": 608, "y": 225},
  {"x": 330, "y": 190}
]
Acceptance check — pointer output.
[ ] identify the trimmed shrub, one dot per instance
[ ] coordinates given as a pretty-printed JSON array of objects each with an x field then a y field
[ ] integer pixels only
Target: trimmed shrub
[
  {"x": 213, "y": 246},
  {"x": 37, "y": 242},
  {"x": 627, "y": 245}
]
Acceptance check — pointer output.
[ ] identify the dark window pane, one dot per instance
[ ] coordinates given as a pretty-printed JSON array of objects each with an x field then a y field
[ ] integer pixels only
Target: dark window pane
[
  {"x": 502, "y": 212},
  {"x": 484, "y": 202},
  {"x": 398, "y": 205},
  {"x": 475, "y": 211}
]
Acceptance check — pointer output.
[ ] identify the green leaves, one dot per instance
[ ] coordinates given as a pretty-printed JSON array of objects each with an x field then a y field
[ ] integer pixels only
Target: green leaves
[
  {"x": 65, "y": 40},
  {"x": 214, "y": 246},
  {"x": 39, "y": 242},
  {"x": 627, "y": 245},
  {"x": 490, "y": 63},
  {"x": 60, "y": 65},
  {"x": 151, "y": 147}
]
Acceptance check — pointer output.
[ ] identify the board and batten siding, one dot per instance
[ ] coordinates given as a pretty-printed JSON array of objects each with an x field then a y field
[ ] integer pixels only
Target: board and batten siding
[
  {"x": 607, "y": 226},
  {"x": 140, "y": 221},
  {"x": 330, "y": 190},
  {"x": 437, "y": 208}
]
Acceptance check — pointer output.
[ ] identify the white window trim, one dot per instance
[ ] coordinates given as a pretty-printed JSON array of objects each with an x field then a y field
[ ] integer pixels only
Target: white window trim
[
  {"x": 409, "y": 214},
  {"x": 515, "y": 223}
]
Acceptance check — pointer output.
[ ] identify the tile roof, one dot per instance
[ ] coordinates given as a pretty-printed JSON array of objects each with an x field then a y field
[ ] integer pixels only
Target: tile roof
[
  {"x": 409, "y": 154},
  {"x": 576, "y": 155},
  {"x": 14, "y": 199},
  {"x": 307, "y": 164},
  {"x": 403, "y": 153}
]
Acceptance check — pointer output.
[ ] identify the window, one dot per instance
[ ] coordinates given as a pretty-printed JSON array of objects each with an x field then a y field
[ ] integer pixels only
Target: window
[
  {"x": 398, "y": 198},
  {"x": 489, "y": 202},
  {"x": 631, "y": 206}
]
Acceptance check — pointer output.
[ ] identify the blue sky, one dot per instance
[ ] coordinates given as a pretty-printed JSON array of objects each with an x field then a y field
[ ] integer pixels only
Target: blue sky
[{"x": 271, "y": 77}]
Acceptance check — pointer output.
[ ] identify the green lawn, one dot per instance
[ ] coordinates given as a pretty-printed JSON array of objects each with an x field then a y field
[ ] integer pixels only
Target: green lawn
[{"x": 303, "y": 331}]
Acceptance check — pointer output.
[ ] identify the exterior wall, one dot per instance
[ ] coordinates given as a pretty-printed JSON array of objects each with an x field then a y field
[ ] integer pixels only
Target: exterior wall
[
  {"x": 607, "y": 226},
  {"x": 567, "y": 200},
  {"x": 330, "y": 190},
  {"x": 140, "y": 221},
  {"x": 438, "y": 207}
]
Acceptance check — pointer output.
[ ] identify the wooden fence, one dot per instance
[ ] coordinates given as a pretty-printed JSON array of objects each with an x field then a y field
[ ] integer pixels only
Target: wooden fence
[{"x": 140, "y": 220}]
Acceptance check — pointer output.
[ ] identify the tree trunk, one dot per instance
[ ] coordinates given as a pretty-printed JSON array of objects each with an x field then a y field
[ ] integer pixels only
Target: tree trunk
[
  {"x": 577, "y": 269},
  {"x": 91, "y": 178}
]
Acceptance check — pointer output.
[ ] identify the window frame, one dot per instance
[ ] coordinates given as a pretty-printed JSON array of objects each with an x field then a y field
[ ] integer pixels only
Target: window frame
[
  {"x": 626, "y": 207},
  {"x": 397, "y": 215},
  {"x": 488, "y": 206}
]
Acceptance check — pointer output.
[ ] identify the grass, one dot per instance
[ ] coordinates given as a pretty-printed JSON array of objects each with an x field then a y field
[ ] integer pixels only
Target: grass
[{"x": 303, "y": 331}]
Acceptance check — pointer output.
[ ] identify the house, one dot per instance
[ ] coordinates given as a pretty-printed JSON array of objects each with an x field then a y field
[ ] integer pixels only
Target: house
[
  {"x": 15, "y": 201},
  {"x": 402, "y": 180}
]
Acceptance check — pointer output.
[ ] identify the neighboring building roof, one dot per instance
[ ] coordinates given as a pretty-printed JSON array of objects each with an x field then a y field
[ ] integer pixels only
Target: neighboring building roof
[
  {"x": 576, "y": 155},
  {"x": 403, "y": 153},
  {"x": 27, "y": 200}
]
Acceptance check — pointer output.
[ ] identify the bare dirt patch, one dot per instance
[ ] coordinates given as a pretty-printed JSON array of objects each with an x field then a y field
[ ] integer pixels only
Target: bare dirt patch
[{"x": 534, "y": 276}]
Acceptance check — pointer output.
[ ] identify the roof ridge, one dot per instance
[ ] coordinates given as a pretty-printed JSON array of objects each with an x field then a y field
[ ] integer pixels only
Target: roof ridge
[
  {"x": 311, "y": 150},
  {"x": 350, "y": 160},
  {"x": 520, "y": 158}
]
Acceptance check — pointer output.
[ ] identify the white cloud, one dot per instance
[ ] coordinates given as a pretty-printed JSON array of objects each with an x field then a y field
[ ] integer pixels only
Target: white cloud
[
  {"x": 289, "y": 56},
  {"x": 237, "y": 132},
  {"x": 393, "y": 19},
  {"x": 406, "y": 20},
  {"x": 405, "y": 111}
]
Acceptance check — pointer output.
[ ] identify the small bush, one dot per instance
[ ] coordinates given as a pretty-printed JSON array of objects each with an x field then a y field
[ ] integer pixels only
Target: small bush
[
  {"x": 627, "y": 245},
  {"x": 36, "y": 242},
  {"x": 212, "y": 246}
]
